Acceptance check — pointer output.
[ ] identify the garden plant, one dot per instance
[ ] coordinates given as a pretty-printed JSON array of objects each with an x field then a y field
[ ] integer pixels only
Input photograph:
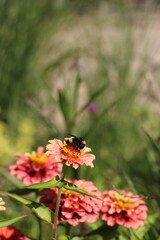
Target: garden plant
[
  {"x": 68, "y": 200},
  {"x": 79, "y": 120}
]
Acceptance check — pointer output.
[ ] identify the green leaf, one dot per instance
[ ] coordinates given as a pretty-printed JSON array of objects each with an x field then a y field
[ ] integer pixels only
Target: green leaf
[
  {"x": 153, "y": 142},
  {"x": 129, "y": 181},
  {"x": 75, "y": 92},
  {"x": 124, "y": 233},
  {"x": 133, "y": 235},
  {"x": 73, "y": 187},
  {"x": 98, "y": 92},
  {"x": 104, "y": 231},
  {"x": 40, "y": 210},
  {"x": 94, "y": 125},
  {"x": 40, "y": 82},
  {"x": 65, "y": 106},
  {"x": 141, "y": 231},
  {"x": 36, "y": 109},
  {"x": 22, "y": 191},
  {"x": 92, "y": 98},
  {"x": 49, "y": 184},
  {"x": 10, "y": 221},
  {"x": 63, "y": 237},
  {"x": 76, "y": 238},
  {"x": 65, "y": 184},
  {"x": 60, "y": 59}
]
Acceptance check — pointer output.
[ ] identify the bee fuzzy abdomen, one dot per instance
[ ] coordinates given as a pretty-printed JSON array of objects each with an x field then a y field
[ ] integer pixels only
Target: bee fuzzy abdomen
[{"x": 76, "y": 142}]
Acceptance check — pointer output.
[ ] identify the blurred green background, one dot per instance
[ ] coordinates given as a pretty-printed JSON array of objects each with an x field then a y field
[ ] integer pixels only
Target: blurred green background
[{"x": 90, "y": 68}]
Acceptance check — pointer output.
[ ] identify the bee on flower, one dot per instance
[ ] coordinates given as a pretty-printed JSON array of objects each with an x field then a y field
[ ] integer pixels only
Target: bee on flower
[{"x": 72, "y": 151}]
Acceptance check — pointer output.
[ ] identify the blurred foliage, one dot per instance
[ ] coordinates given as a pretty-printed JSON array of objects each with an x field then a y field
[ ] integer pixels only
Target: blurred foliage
[
  {"x": 22, "y": 143},
  {"x": 23, "y": 27}
]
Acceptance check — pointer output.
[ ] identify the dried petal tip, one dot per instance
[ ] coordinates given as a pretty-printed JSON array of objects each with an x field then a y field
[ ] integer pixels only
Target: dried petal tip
[
  {"x": 2, "y": 203},
  {"x": 72, "y": 151},
  {"x": 123, "y": 208}
]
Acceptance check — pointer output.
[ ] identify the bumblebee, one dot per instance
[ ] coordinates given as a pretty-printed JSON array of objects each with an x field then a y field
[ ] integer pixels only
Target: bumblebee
[{"x": 76, "y": 142}]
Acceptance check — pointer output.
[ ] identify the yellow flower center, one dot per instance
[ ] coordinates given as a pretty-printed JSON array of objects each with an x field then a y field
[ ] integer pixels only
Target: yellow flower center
[
  {"x": 68, "y": 192},
  {"x": 70, "y": 151},
  {"x": 38, "y": 157},
  {"x": 123, "y": 201}
]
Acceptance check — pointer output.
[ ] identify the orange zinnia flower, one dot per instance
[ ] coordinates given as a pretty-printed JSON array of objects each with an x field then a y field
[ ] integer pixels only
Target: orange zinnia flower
[{"x": 74, "y": 207}]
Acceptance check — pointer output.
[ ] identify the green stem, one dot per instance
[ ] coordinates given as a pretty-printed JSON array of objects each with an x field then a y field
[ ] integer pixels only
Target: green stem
[
  {"x": 56, "y": 213},
  {"x": 38, "y": 219},
  {"x": 68, "y": 229},
  {"x": 63, "y": 174},
  {"x": 54, "y": 225},
  {"x": 40, "y": 228}
]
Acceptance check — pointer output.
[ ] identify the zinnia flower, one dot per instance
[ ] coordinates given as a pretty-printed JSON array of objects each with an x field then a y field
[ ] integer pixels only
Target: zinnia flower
[
  {"x": 74, "y": 207},
  {"x": 35, "y": 167},
  {"x": 123, "y": 208},
  {"x": 11, "y": 233},
  {"x": 73, "y": 151},
  {"x": 2, "y": 203}
]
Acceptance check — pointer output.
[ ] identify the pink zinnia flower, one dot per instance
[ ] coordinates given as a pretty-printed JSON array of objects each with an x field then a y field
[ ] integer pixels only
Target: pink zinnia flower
[
  {"x": 35, "y": 167},
  {"x": 74, "y": 207},
  {"x": 11, "y": 233},
  {"x": 123, "y": 208},
  {"x": 70, "y": 152}
]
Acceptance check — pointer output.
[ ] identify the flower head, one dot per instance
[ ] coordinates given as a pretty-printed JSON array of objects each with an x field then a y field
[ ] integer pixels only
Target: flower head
[
  {"x": 123, "y": 208},
  {"x": 11, "y": 233},
  {"x": 74, "y": 207},
  {"x": 73, "y": 151},
  {"x": 35, "y": 167},
  {"x": 2, "y": 203},
  {"x": 92, "y": 107}
]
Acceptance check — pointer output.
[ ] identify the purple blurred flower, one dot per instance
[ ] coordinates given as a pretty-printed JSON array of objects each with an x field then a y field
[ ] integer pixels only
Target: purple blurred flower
[{"x": 92, "y": 107}]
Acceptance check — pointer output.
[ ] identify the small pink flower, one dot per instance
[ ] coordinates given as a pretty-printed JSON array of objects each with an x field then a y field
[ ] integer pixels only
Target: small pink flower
[
  {"x": 35, "y": 167},
  {"x": 11, "y": 233},
  {"x": 74, "y": 207},
  {"x": 92, "y": 107},
  {"x": 70, "y": 152},
  {"x": 123, "y": 208}
]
